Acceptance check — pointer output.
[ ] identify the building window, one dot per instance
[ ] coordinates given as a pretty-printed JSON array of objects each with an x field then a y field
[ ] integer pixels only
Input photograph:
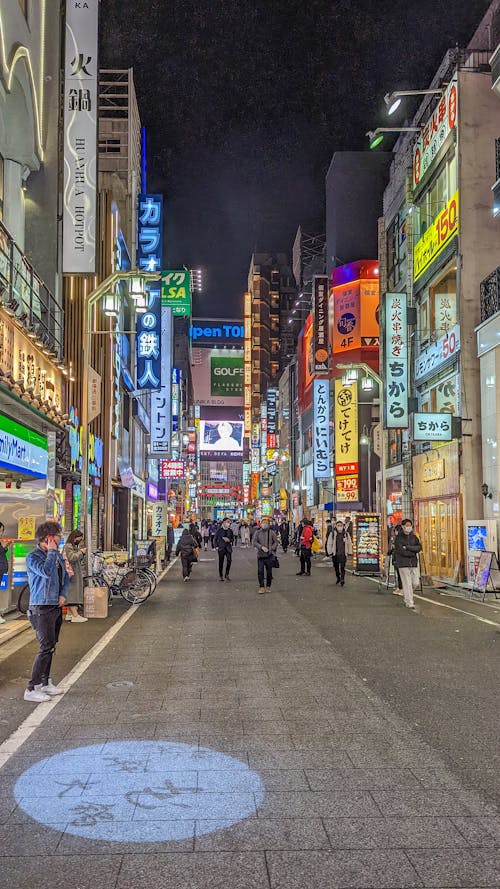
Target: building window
[
  {"x": 437, "y": 195},
  {"x": 437, "y": 312}
]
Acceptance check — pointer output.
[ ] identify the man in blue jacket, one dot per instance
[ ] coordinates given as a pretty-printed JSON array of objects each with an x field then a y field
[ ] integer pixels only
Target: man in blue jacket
[{"x": 48, "y": 581}]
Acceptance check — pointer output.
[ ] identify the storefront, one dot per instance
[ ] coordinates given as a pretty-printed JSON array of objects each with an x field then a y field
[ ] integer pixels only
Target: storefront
[{"x": 438, "y": 510}]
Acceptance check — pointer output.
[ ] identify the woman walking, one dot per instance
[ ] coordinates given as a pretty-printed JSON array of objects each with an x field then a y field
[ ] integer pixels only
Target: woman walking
[
  {"x": 341, "y": 548},
  {"x": 74, "y": 554},
  {"x": 265, "y": 542},
  {"x": 185, "y": 548}
]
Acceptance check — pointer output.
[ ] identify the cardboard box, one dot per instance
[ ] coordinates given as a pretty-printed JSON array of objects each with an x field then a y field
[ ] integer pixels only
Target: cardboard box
[{"x": 95, "y": 601}]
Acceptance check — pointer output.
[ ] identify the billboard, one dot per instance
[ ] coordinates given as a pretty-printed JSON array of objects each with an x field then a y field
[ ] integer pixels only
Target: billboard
[
  {"x": 176, "y": 291},
  {"x": 80, "y": 138},
  {"x": 440, "y": 232},
  {"x": 321, "y": 347},
  {"x": 221, "y": 438},
  {"x": 218, "y": 376}
]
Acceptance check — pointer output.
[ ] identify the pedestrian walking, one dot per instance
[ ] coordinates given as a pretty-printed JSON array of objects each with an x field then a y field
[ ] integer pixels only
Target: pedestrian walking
[
  {"x": 195, "y": 532},
  {"x": 213, "y": 528},
  {"x": 306, "y": 539},
  {"x": 341, "y": 548},
  {"x": 205, "y": 533},
  {"x": 265, "y": 541},
  {"x": 284, "y": 535},
  {"x": 48, "y": 582},
  {"x": 328, "y": 540},
  {"x": 224, "y": 545},
  {"x": 186, "y": 550},
  {"x": 405, "y": 556},
  {"x": 245, "y": 535},
  {"x": 74, "y": 552},
  {"x": 169, "y": 541},
  {"x": 235, "y": 528}
]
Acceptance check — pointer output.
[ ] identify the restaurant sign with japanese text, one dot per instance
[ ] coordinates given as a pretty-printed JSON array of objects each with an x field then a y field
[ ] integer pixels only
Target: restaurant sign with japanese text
[
  {"x": 436, "y": 237},
  {"x": 432, "y": 427},
  {"x": 396, "y": 361},
  {"x": 435, "y": 132},
  {"x": 346, "y": 429},
  {"x": 321, "y": 345},
  {"x": 149, "y": 258},
  {"x": 432, "y": 359},
  {"x": 321, "y": 428}
]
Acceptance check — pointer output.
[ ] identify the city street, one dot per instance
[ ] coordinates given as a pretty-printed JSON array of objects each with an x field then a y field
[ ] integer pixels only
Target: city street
[{"x": 316, "y": 736}]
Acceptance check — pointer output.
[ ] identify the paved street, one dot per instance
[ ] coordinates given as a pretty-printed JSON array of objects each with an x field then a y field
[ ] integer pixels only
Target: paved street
[{"x": 315, "y": 737}]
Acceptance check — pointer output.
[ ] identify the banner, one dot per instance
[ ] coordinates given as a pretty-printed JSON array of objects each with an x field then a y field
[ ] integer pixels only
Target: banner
[
  {"x": 161, "y": 401},
  {"x": 396, "y": 361},
  {"x": 346, "y": 429},
  {"x": 176, "y": 291},
  {"x": 435, "y": 132},
  {"x": 80, "y": 138},
  {"x": 321, "y": 345},
  {"x": 321, "y": 428},
  {"x": 149, "y": 258}
]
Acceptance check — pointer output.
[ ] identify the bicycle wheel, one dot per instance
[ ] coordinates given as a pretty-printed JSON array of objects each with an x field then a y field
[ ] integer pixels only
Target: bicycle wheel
[
  {"x": 135, "y": 588},
  {"x": 23, "y": 600},
  {"x": 152, "y": 577}
]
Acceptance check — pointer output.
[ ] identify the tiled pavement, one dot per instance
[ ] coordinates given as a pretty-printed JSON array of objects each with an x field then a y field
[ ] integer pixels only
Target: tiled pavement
[{"x": 313, "y": 783}]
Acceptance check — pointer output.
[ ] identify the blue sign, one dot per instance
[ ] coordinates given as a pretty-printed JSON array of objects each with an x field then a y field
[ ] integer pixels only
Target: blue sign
[
  {"x": 205, "y": 333},
  {"x": 149, "y": 258},
  {"x": 139, "y": 791}
]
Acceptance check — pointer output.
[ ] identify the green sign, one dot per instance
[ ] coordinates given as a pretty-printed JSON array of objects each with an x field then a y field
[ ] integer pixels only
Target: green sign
[
  {"x": 226, "y": 375},
  {"x": 176, "y": 291},
  {"x": 21, "y": 449}
]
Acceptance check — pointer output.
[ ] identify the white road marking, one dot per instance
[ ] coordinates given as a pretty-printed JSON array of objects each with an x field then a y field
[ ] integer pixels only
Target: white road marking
[{"x": 12, "y": 744}]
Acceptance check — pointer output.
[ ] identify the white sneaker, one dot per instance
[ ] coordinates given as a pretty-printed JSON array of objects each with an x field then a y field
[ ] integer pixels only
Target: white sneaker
[
  {"x": 50, "y": 689},
  {"x": 186, "y": 579},
  {"x": 67, "y": 617},
  {"x": 78, "y": 619},
  {"x": 36, "y": 696}
]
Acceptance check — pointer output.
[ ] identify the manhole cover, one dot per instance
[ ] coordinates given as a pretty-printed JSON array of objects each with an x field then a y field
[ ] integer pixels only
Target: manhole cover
[{"x": 120, "y": 683}]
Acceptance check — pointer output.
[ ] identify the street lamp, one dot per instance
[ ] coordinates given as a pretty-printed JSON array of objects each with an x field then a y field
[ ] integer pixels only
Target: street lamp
[
  {"x": 393, "y": 100},
  {"x": 377, "y": 136},
  {"x": 107, "y": 289}
]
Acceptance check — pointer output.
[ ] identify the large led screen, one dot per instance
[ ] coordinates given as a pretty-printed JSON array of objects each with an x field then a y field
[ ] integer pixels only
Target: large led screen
[{"x": 221, "y": 438}]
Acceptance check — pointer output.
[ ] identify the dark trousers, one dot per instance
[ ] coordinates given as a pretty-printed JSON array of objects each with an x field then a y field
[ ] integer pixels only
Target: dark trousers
[
  {"x": 46, "y": 621},
  {"x": 212, "y": 538},
  {"x": 169, "y": 551},
  {"x": 305, "y": 560},
  {"x": 224, "y": 554},
  {"x": 267, "y": 565},
  {"x": 187, "y": 565},
  {"x": 339, "y": 565}
]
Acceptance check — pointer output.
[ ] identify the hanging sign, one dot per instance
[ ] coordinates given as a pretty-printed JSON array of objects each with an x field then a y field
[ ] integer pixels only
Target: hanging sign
[
  {"x": 80, "y": 138},
  {"x": 176, "y": 292},
  {"x": 161, "y": 401},
  {"x": 432, "y": 427},
  {"x": 159, "y": 521},
  {"x": 321, "y": 345},
  {"x": 396, "y": 361},
  {"x": 149, "y": 258},
  {"x": 321, "y": 428},
  {"x": 435, "y": 132},
  {"x": 346, "y": 429}
]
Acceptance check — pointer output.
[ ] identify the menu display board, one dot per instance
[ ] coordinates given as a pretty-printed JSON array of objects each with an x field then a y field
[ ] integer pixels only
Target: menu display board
[
  {"x": 483, "y": 572},
  {"x": 366, "y": 543}
]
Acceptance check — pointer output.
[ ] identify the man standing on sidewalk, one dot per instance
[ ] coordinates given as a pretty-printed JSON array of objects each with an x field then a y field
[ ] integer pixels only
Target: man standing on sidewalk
[
  {"x": 341, "y": 548},
  {"x": 265, "y": 542},
  {"x": 48, "y": 581},
  {"x": 405, "y": 557},
  {"x": 224, "y": 545}
]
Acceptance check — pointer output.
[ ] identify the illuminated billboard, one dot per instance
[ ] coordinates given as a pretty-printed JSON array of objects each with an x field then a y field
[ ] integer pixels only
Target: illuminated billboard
[
  {"x": 221, "y": 438},
  {"x": 218, "y": 376}
]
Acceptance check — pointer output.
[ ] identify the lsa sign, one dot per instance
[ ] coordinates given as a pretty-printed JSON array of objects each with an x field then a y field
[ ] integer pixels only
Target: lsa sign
[{"x": 149, "y": 258}]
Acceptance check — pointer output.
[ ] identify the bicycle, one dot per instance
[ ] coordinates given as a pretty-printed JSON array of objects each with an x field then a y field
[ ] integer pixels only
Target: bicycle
[
  {"x": 133, "y": 584},
  {"x": 23, "y": 600}
]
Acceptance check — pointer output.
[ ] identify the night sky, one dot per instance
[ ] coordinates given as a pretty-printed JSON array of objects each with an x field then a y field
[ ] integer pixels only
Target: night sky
[{"x": 245, "y": 103}]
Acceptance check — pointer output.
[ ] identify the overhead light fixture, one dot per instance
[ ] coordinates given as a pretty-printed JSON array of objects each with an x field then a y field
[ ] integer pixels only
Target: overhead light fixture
[
  {"x": 375, "y": 137},
  {"x": 110, "y": 305},
  {"x": 367, "y": 384},
  {"x": 393, "y": 100},
  {"x": 137, "y": 288}
]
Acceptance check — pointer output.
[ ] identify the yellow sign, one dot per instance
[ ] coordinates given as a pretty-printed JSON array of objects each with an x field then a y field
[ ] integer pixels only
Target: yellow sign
[
  {"x": 438, "y": 235},
  {"x": 346, "y": 429},
  {"x": 26, "y": 527},
  {"x": 433, "y": 470}
]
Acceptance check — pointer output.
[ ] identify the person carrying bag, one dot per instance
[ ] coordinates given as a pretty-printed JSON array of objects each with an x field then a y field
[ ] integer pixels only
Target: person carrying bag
[{"x": 265, "y": 542}]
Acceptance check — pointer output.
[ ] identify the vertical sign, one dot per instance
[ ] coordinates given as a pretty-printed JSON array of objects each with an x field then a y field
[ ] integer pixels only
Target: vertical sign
[
  {"x": 321, "y": 431},
  {"x": 248, "y": 361},
  {"x": 149, "y": 258},
  {"x": 176, "y": 292},
  {"x": 346, "y": 441},
  {"x": 271, "y": 417},
  {"x": 320, "y": 324},
  {"x": 396, "y": 361},
  {"x": 159, "y": 520},
  {"x": 80, "y": 137},
  {"x": 161, "y": 400}
]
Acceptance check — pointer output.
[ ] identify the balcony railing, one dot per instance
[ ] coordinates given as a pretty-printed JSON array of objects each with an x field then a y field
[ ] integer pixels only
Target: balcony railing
[
  {"x": 490, "y": 295},
  {"x": 24, "y": 296}
]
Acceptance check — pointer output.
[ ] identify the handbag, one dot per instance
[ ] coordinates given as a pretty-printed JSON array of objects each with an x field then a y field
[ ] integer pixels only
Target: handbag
[
  {"x": 315, "y": 545},
  {"x": 276, "y": 562},
  {"x": 196, "y": 551}
]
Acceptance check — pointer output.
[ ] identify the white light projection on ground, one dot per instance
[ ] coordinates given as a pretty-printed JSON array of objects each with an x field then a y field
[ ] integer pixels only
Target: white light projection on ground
[{"x": 139, "y": 791}]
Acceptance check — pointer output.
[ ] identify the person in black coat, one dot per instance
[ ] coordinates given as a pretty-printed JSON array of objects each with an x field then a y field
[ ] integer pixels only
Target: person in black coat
[
  {"x": 405, "y": 557},
  {"x": 224, "y": 544},
  {"x": 285, "y": 535},
  {"x": 185, "y": 549},
  {"x": 169, "y": 541}
]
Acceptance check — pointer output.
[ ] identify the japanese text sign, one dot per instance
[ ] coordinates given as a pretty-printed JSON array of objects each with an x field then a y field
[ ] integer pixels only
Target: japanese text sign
[
  {"x": 321, "y": 428},
  {"x": 432, "y": 427},
  {"x": 159, "y": 521},
  {"x": 161, "y": 400},
  {"x": 320, "y": 323},
  {"x": 346, "y": 429},
  {"x": 446, "y": 348},
  {"x": 149, "y": 258},
  {"x": 347, "y": 489},
  {"x": 172, "y": 468},
  {"x": 176, "y": 291},
  {"x": 396, "y": 361},
  {"x": 346, "y": 317},
  {"x": 434, "y": 133},
  {"x": 436, "y": 237},
  {"x": 80, "y": 138},
  {"x": 272, "y": 395}
]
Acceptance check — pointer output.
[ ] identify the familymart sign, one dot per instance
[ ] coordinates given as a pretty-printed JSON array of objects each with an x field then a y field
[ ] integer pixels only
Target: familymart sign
[{"x": 22, "y": 450}]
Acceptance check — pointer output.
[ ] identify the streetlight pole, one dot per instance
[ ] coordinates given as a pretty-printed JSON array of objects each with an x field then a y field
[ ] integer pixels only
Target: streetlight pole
[
  {"x": 108, "y": 284},
  {"x": 366, "y": 439}
]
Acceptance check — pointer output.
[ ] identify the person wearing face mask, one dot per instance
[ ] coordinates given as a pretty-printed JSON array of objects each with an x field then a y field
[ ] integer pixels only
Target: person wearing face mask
[
  {"x": 265, "y": 542},
  {"x": 224, "y": 545},
  {"x": 405, "y": 557},
  {"x": 341, "y": 548}
]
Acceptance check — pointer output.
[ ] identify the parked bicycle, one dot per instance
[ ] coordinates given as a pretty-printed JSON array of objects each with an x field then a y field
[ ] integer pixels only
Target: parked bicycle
[{"x": 135, "y": 585}]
